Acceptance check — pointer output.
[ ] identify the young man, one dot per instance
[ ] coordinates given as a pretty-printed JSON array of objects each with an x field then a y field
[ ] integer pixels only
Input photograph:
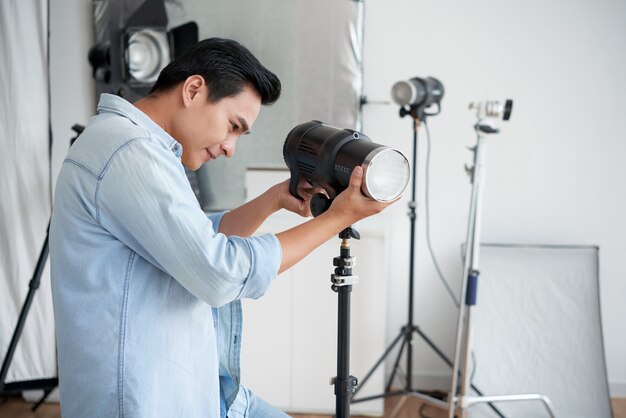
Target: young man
[{"x": 146, "y": 287}]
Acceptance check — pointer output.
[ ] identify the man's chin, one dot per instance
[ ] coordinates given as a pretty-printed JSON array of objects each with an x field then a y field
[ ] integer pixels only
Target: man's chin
[{"x": 193, "y": 165}]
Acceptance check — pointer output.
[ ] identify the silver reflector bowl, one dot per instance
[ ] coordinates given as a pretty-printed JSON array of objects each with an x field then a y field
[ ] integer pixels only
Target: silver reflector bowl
[
  {"x": 148, "y": 52},
  {"x": 386, "y": 174}
]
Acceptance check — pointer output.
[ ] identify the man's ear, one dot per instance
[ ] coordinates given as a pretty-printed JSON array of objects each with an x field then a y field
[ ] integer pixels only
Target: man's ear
[{"x": 191, "y": 88}]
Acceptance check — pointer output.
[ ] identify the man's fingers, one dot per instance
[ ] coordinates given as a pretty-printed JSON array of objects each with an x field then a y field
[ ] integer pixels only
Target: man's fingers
[{"x": 357, "y": 177}]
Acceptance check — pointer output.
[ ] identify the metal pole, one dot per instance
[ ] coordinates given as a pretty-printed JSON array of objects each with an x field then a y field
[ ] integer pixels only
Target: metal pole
[
  {"x": 413, "y": 216},
  {"x": 461, "y": 400},
  {"x": 342, "y": 279},
  {"x": 473, "y": 272},
  {"x": 342, "y": 391},
  {"x": 461, "y": 322}
]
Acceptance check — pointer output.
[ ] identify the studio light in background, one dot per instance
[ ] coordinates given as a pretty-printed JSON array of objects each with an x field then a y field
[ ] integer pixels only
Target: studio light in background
[
  {"x": 147, "y": 52},
  {"x": 416, "y": 95},
  {"x": 493, "y": 109},
  {"x": 325, "y": 156},
  {"x": 490, "y": 111},
  {"x": 133, "y": 49}
]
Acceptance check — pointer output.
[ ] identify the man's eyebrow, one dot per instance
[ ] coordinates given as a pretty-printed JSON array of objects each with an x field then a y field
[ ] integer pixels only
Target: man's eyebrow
[{"x": 244, "y": 125}]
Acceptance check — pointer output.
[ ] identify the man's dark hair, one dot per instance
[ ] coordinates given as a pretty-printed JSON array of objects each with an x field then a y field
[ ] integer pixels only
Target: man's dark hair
[{"x": 226, "y": 66}]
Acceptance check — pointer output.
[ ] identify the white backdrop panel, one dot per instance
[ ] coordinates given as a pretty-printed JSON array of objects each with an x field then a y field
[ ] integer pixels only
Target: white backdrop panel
[{"x": 24, "y": 185}]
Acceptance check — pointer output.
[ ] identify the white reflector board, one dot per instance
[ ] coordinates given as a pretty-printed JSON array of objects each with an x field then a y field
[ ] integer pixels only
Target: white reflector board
[{"x": 537, "y": 329}]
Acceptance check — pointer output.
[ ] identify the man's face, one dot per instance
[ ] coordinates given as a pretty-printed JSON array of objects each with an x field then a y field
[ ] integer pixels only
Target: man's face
[{"x": 208, "y": 130}]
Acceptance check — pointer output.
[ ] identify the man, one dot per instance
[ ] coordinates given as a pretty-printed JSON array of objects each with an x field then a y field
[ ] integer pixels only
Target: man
[{"x": 146, "y": 287}]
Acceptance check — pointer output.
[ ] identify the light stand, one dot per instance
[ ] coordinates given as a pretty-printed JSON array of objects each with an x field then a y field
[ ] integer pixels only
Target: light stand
[
  {"x": 459, "y": 400},
  {"x": 406, "y": 332},
  {"x": 47, "y": 385},
  {"x": 342, "y": 281},
  {"x": 324, "y": 156}
]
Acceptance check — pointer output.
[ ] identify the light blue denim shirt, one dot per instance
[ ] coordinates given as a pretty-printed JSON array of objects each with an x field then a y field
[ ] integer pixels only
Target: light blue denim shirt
[{"x": 136, "y": 268}]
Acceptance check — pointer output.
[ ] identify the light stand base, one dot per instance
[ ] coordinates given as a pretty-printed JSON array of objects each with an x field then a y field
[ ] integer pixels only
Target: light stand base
[{"x": 467, "y": 402}]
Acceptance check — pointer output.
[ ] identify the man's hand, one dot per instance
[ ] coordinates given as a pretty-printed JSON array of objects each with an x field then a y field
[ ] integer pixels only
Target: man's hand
[
  {"x": 285, "y": 199},
  {"x": 352, "y": 205},
  {"x": 347, "y": 208}
]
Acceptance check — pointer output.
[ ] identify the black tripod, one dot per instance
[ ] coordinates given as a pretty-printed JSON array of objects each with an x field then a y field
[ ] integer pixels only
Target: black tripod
[
  {"x": 47, "y": 385},
  {"x": 407, "y": 331}
]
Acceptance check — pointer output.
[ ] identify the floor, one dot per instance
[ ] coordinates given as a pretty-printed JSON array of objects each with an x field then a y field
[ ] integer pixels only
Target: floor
[{"x": 398, "y": 408}]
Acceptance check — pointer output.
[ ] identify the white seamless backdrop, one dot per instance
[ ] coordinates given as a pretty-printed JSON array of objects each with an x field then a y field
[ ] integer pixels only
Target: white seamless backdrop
[{"x": 24, "y": 186}]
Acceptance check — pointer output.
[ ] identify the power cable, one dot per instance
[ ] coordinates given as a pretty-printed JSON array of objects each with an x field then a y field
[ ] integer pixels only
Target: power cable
[{"x": 427, "y": 215}]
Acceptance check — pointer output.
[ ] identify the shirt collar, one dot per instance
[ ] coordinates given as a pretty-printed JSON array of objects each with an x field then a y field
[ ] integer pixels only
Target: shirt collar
[{"x": 110, "y": 103}]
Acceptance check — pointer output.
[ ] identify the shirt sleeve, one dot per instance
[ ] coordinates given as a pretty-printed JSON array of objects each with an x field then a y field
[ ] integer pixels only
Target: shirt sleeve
[
  {"x": 215, "y": 219},
  {"x": 144, "y": 199}
]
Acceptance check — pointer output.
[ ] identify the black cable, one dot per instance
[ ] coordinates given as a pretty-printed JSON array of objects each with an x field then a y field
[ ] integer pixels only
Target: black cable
[
  {"x": 49, "y": 107},
  {"x": 362, "y": 68},
  {"x": 421, "y": 411},
  {"x": 473, "y": 372},
  {"x": 427, "y": 215}
]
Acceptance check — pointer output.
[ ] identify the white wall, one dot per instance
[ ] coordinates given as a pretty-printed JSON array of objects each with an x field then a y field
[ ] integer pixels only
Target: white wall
[{"x": 554, "y": 173}]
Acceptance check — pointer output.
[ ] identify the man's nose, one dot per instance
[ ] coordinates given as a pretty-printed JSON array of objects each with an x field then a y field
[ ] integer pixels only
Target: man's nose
[{"x": 228, "y": 147}]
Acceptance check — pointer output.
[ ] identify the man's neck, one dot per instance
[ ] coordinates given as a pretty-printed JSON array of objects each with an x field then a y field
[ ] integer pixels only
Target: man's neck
[{"x": 158, "y": 108}]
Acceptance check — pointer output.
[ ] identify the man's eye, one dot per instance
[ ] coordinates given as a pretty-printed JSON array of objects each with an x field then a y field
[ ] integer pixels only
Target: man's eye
[{"x": 235, "y": 127}]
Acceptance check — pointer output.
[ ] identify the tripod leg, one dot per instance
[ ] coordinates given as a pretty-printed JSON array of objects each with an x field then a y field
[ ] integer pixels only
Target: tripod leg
[
  {"x": 379, "y": 362},
  {"x": 395, "y": 365},
  {"x": 46, "y": 393},
  {"x": 449, "y": 363},
  {"x": 432, "y": 345},
  {"x": 398, "y": 407},
  {"x": 33, "y": 285}
]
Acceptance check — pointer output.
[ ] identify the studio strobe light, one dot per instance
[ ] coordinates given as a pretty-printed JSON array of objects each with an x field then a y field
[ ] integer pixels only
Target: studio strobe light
[
  {"x": 132, "y": 49},
  {"x": 488, "y": 112},
  {"x": 147, "y": 53},
  {"x": 417, "y": 94},
  {"x": 493, "y": 109},
  {"x": 325, "y": 156}
]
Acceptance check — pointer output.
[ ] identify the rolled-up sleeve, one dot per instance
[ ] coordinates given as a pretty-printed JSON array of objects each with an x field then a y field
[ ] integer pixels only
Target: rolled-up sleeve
[
  {"x": 143, "y": 198},
  {"x": 215, "y": 219}
]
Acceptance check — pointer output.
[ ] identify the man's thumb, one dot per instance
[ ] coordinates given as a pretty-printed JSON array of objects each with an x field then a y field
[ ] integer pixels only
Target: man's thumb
[{"x": 357, "y": 177}]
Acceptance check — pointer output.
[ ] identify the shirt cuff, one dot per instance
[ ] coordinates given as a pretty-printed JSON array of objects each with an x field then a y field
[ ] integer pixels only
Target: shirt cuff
[
  {"x": 216, "y": 218},
  {"x": 266, "y": 255}
]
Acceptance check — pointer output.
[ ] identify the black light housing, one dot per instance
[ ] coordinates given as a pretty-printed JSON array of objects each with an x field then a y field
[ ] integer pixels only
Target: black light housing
[
  {"x": 325, "y": 156},
  {"x": 418, "y": 94},
  {"x": 132, "y": 52}
]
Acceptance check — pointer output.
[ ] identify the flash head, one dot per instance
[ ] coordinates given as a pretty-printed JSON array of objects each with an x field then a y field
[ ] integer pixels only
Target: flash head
[
  {"x": 493, "y": 109},
  {"x": 325, "y": 156},
  {"x": 147, "y": 52},
  {"x": 418, "y": 94}
]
